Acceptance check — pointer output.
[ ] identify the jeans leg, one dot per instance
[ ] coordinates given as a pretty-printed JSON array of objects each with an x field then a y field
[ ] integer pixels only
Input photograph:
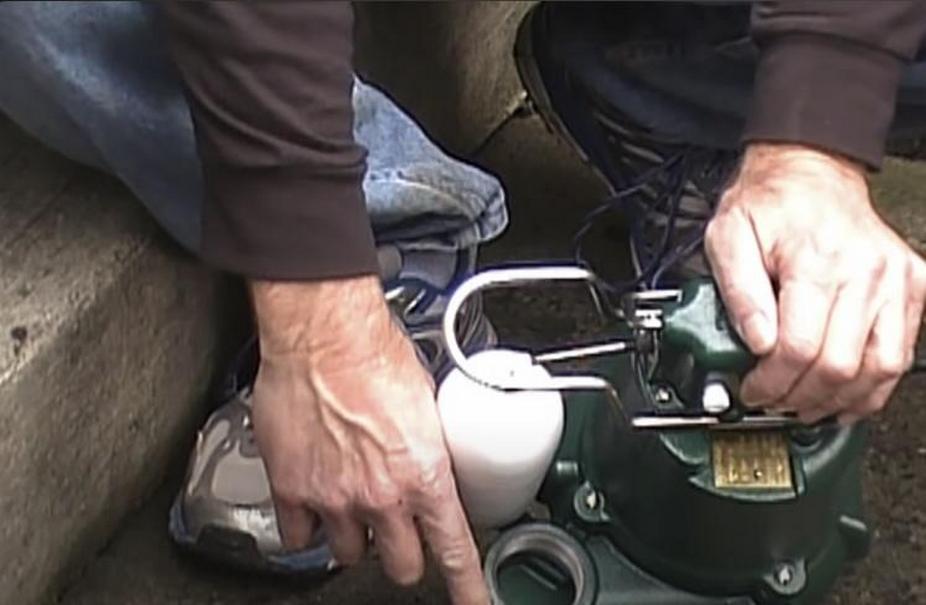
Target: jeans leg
[{"x": 94, "y": 81}]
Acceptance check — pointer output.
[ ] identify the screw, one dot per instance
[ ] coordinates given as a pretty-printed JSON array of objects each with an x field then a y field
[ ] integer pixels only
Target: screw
[
  {"x": 784, "y": 575},
  {"x": 806, "y": 435},
  {"x": 715, "y": 399},
  {"x": 591, "y": 500},
  {"x": 663, "y": 395}
]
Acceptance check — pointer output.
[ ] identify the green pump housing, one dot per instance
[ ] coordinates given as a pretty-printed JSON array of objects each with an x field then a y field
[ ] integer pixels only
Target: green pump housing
[{"x": 645, "y": 517}]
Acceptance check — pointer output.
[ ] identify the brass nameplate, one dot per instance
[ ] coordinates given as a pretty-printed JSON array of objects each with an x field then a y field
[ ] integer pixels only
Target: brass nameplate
[{"x": 751, "y": 460}]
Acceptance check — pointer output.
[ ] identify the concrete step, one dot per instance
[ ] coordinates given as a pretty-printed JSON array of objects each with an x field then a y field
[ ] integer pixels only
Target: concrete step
[
  {"x": 463, "y": 49},
  {"x": 108, "y": 342}
]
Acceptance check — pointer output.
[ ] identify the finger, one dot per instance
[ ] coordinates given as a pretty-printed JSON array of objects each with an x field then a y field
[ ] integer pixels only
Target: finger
[
  {"x": 296, "y": 525},
  {"x": 444, "y": 527},
  {"x": 878, "y": 398},
  {"x": 803, "y": 312},
  {"x": 916, "y": 280},
  {"x": 840, "y": 358},
  {"x": 886, "y": 360},
  {"x": 346, "y": 536},
  {"x": 742, "y": 278},
  {"x": 867, "y": 407},
  {"x": 399, "y": 548},
  {"x": 868, "y": 396}
]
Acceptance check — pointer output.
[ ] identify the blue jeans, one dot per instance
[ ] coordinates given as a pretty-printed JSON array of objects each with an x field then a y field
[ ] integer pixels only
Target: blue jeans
[{"x": 93, "y": 80}]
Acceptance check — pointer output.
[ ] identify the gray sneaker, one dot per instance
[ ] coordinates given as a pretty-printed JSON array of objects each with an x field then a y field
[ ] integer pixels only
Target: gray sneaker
[{"x": 224, "y": 510}]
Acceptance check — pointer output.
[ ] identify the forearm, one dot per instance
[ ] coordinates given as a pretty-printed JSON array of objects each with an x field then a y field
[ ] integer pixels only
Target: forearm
[
  {"x": 269, "y": 86},
  {"x": 829, "y": 70}
]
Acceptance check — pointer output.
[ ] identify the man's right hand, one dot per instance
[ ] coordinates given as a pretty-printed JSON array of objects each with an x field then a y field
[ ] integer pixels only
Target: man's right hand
[
  {"x": 820, "y": 288},
  {"x": 345, "y": 419}
]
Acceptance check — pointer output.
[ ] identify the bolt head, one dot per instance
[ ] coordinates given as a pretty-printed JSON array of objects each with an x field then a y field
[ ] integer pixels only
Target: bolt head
[
  {"x": 662, "y": 395},
  {"x": 715, "y": 399},
  {"x": 784, "y": 575}
]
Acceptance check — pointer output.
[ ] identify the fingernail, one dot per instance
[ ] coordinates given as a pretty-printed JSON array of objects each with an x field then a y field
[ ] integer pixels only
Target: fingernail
[{"x": 759, "y": 333}]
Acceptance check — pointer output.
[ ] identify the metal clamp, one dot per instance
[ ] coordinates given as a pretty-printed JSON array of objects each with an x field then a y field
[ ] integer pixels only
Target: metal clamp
[
  {"x": 520, "y": 276},
  {"x": 641, "y": 313}
]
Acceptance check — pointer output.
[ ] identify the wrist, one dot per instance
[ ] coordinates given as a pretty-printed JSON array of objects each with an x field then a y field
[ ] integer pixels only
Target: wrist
[
  {"x": 323, "y": 317},
  {"x": 770, "y": 158}
]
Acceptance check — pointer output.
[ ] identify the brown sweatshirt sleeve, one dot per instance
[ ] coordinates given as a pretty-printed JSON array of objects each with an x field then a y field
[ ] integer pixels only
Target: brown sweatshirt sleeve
[
  {"x": 269, "y": 86},
  {"x": 829, "y": 70}
]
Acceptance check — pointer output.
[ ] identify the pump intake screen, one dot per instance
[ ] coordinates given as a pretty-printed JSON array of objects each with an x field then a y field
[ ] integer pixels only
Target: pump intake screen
[{"x": 751, "y": 460}]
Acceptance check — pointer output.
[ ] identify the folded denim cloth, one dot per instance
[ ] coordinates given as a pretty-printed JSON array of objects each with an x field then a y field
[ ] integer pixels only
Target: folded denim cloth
[
  {"x": 94, "y": 81},
  {"x": 418, "y": 196}
]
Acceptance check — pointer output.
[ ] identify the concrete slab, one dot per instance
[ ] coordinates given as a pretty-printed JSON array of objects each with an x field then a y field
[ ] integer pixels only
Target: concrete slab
[
  {"x": 108, "y": 338},
  {"x": 462, "y": 48}
]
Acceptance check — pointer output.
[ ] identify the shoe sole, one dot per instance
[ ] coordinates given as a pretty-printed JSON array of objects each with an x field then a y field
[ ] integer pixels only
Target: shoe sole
[{"x": 237, "y": 549}]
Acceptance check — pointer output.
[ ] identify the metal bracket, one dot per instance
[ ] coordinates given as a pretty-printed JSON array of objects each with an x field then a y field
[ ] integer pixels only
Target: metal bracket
[
  {"x": 520, "y": 276},
  {"x": 640, "y": 309}
]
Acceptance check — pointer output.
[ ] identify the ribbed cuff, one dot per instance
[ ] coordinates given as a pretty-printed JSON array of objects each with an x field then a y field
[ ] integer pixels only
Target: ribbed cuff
[
  {"x": 826, "y": 93},
  {"x": 279, "y": 227}
]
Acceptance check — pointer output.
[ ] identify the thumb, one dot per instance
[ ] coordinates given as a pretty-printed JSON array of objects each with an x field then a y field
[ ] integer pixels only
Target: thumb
[{"x": 736, "y": 260}]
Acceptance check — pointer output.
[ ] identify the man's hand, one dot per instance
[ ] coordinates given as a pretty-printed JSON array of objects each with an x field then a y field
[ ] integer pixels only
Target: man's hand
[
  {"x": 346, "y": 422},
  {"x": 815, "y": 283}
]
